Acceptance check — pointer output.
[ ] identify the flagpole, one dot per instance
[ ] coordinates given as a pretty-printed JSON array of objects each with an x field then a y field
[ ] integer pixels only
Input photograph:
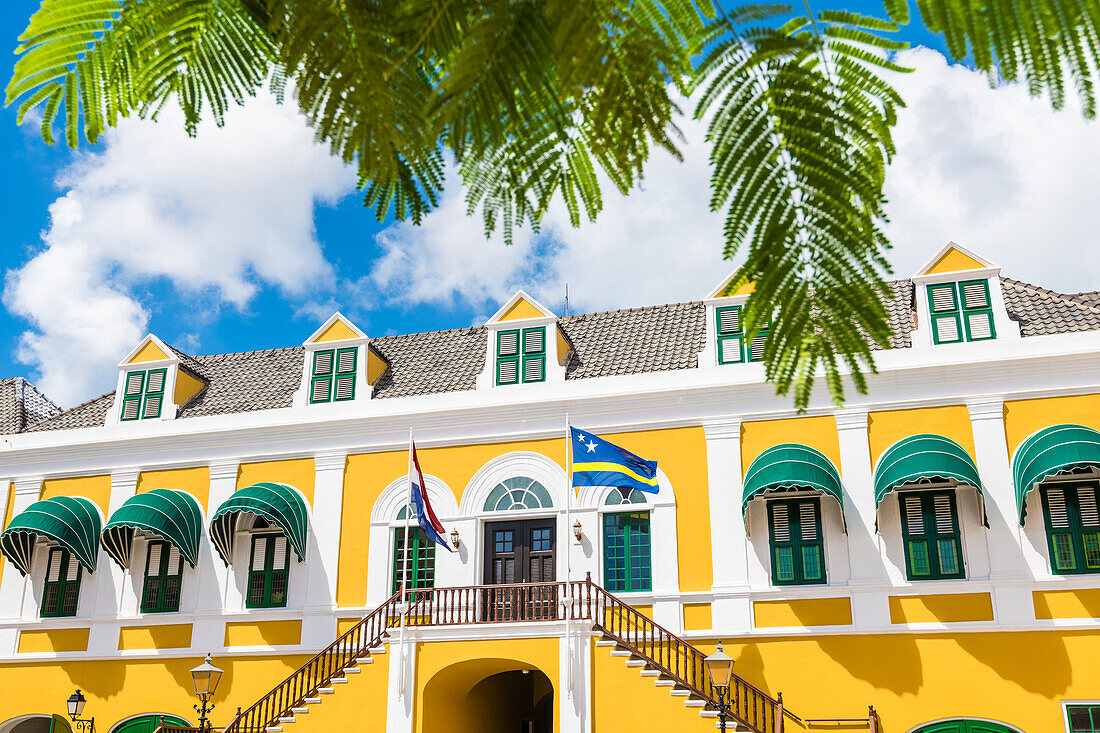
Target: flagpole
[
  {"x": 568, "y": 550},
  {"x": 406, "y": 563}
]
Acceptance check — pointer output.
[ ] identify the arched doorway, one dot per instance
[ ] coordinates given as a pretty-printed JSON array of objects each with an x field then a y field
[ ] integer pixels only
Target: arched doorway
[
  {"x": 36, "y": 724},
  {"x": 147, "y": 723},
  {"x": 489, "y": 696},
  {"x": 965, "y": 725}
]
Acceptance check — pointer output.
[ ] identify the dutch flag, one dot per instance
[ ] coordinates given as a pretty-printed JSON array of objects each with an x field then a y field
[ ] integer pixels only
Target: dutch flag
[{"x": 418, "y": 497}]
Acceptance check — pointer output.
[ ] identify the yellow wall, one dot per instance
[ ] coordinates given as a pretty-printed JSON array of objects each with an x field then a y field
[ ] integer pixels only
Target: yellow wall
[
  {"x": 521, "y": 309},
  {"x": 96, "y": 488},
  {"x": 263, "y": 633},
  {"x": 298, "y": 473},
  {"x": 816, "y": 432},
  {"x": 162, "y": 636},
  {"x": 696, "y": 616},
  {"x": 376, "y": 365},
  {"x": 680, "y": 453},
  {"x": 358, "y": 705},
  {"x": 186, "y": 387},
  {"x": 954, "y": 261},
  {"x": 623, "y": 700},
  {"x": 888, "y": 427},
  {"x": 563, "y": 345},
  {"x": 941, "y": 608},
  {"x": 1024, "y": 417},
  {"x": 195, "y": 481},
  {"x": 1084, "y": 603},
  {"x": 338, "y": 331},
  {"x": 149, "y": 352},
  {"x": 53, "y": 640},
  {"x": 802, "y": 612}
]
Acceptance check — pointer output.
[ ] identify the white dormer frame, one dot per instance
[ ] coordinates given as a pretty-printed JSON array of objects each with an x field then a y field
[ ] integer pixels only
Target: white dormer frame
[
  {"x": 364, "y": 390},
  {"x": 555, "y": 369},
  {"x": 1004, "y": 327},
  {"x": 708, "y": 357},
  {"x": 168, "y": 408}
]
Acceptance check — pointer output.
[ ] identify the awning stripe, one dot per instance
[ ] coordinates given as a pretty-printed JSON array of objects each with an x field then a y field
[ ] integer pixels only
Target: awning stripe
[
  {"x": 925, "y": 457},
  {"x": 792, "y": 466},
  {"x": 70, "y": 521},
  {"x": 171, "y": 514},
  {"x": 1049, "y": 452},
  {"x": 280, "y": 504}
]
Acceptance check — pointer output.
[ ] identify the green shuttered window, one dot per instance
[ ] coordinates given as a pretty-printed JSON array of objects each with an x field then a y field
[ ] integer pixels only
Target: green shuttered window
[
  {"x": 732, "y": 345},
  {"x": 961, "y": 311},
  {"x": 416, "y": 568},
  {"x": 797, "y": 548},
  {"x": 333, "y": 375},
  {"x": 143, "y": 395},
  {"x": 268, "y": 571},
  {"x": 521, "y": 356},
  {"x": 1083, "y": 718},
  {"x": 626, "y": 552},
  {"x": 62, "y": 586},
  {"x": 1073, "y": 529},
  {"x": 163, "y": 575},
  {"x": 930, "y": 532}
]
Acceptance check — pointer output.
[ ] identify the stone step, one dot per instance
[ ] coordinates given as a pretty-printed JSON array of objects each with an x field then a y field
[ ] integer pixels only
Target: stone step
[
  {"x": 274, "y": 729},
  {"x": 377, "y": 650},
  {"x": 651, "y": 673},
  {"x": 679, "y": 692},
  {"x": 695, "y": 703},
  {"x": 364, "y": 660},
  {"x": 286, "y": 719},
  {"x": 635, "y": 663},
  {"x": 338, "y": 681},
  {"x": 326, "y": 690},
  {"x": 313, "y": 701},
  {"x": 665, "y": 683},
  {"x": 621, "y": 653},
  {"x": 351, "y": 670},
  {"x": 300, "y": 711},
  {"x": 607, "y": 642}
]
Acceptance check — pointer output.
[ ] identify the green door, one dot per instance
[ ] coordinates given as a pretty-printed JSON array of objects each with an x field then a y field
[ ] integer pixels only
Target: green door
[
  {"x": 148, "y": 723},
  {"x": 960, "y": 725}
]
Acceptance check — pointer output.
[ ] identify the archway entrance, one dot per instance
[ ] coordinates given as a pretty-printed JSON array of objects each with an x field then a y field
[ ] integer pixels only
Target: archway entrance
[
  {"x": 489, "y": 696},
  {"x": 965, "y": 725}
]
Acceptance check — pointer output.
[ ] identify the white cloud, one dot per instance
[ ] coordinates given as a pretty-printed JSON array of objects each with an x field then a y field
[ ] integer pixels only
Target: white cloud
[
  {"x": 997, "y": 171},
  {"x": 217, "y": 216}
]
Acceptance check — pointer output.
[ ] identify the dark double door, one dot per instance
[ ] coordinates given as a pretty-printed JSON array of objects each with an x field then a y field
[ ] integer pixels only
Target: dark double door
[{"x": 519, "y": 553}]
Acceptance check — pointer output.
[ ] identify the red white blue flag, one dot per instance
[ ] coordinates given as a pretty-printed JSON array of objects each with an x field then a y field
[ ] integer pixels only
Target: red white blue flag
[{"x": 418, "y": 496}]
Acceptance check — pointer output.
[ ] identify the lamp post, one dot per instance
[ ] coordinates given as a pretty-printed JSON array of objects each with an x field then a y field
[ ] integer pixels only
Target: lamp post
[
  {"x": 75, "y": 704},
  {"x": 720, "y": 669},
  {"x": 205, "y": 678}
]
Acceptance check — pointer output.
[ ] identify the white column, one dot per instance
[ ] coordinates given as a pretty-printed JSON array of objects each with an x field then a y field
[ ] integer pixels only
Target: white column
[
  {"x": 869, "y": 604},
  {"x": 323, "y": 553},
  {"x": 15, "y": 589},
  {"x": 575, "y": 682},
  {"x": 1012, "y": 601},
  {"x": 211, "y": 576},
  {"x": 729, "y": 544},
  {"x": 112, "y": 593},
  {"x": 399, "y": 706}
]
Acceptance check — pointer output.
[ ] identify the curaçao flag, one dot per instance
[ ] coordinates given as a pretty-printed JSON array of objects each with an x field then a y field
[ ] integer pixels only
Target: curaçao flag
[
  {"x": 418, "y": 495},
  {"x": 597, "y": 462}
]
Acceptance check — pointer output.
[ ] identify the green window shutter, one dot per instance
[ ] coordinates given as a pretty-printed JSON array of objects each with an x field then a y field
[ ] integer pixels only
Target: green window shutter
[
  {"x": 534, "y": 354},
  {"x": 508, "y": 356},
  {"x": 977, "y": 310},
  {"x": 134, "y": 390},
  {"x": 797, "y": 548},
  {"x": 1083, "y": 718},
  {"x": 163, "y": 575},
  {"x": 345, "y": 374},
  {"x": 418, "y": 567},
  {"x": 756, "y": 347},
  {"x": 731, "y": 338},
  {"x": 930, "y": 533},
  {"x": 62, "y": 587},
  {"x": 324, "y": 364},
  {"x": 943, "y": 305},
  {"x": 154, "y": 392},
  {"x": 626, "y": 546},
  {"x": 1073, "y": 528},
  {"x": 268, "y": 571}
]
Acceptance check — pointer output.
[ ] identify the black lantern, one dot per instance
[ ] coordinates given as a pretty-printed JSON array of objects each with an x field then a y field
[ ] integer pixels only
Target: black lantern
[
  {"x": 75, "y": 705},
  {"x": 720, "y": 670},
  {"x": 205, "y": 678}
]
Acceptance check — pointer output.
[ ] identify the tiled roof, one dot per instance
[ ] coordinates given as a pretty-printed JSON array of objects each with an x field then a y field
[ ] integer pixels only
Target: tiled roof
[
  {"x": 22, "y": 405},
  {"x": 633, "y": 341}
]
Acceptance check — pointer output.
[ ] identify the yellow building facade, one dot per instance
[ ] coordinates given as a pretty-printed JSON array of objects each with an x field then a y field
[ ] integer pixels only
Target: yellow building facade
[{"x": 923, "y": 559}]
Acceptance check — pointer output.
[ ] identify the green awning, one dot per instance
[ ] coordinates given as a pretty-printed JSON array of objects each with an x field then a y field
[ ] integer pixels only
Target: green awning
[
  {"x": 789, "y": 467},
  {"x": 170, "y": 514},
  {"x": 925, "y": 457},
  {"x": 71, "y": 521},
  {"x": 280, "y": 504},
  {"x": 1049, "y": 452}
]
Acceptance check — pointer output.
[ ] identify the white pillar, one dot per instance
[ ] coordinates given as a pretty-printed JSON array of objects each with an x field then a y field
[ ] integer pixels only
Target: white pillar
[
  {"x": 323, "y": 553},
  {"x": 1012, "y": 601},
  {"x": 575, "y": 682},
  {"x": 110, "y": 586},
  {"x": 15, "y": 600},
  {"x": 211, "y": 577},
  {"x": 729, "y": 544},
  {"x": 869, "y": 604}
]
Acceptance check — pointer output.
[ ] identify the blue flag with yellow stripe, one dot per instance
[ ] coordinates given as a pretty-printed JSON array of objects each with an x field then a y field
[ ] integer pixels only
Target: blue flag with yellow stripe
[{"x": 597, "y": 462}]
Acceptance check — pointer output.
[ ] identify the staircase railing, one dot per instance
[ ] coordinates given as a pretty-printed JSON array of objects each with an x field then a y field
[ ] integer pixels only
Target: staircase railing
[
  {"x": 330, "y": 662},
  {"x": 679, "y": 660}
]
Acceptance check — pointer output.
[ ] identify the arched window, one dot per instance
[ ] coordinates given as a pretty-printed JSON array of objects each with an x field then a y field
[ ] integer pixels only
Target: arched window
[
  {"x": 148, "y": 723},
  {"x": 518, "y": 494},
  {"x": 965, "y": 725},
  {"x": 627, "y": 561},
  {"x": 417, "y": 566}
]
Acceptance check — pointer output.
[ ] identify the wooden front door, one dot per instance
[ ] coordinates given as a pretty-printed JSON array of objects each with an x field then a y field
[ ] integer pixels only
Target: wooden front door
[{"x": 520, "y": 552}]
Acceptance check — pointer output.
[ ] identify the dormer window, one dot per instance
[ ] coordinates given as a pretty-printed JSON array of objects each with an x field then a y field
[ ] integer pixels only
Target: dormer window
[
  {"x": 961, "y": 311},
  {"x": 333, "y": 375},
  {"x": 732, "y": 348},
  {"x": 521, "y": 355},
  {"x": 144, "y": 394}
]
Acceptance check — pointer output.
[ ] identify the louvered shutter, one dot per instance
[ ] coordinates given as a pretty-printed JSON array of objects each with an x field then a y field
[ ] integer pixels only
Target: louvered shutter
[
  {"x": 945, "y": 520},
  {"x": 533, "y": 370},
  {"x": 729, "y": 336},
  {"x": 279, "y": 561},
  {"x": 321, "y": 389},
  {"x": 730, "y": 350},
  {"x": 156, "y": 381},
  {"x": 942, "y": 298},
  {"x": 974, "y": 295},
  {"x": 944, "y": 305},
  {"x": 811, "y": 549},
  {"x": 508, "y": 357},
  {"x": 807, "y": 521},
  {"x": 173, "y": 561},
  {"x": 756, "y": 351},
  {"x": 130, "y": 409},
  {"x": 781, "y": 525},
  {"x": 914, "y": 517},
  {"x": 1086, "y": 499},
  {"x": 347, "y": 361},
  {"x": 534, "y": 341},
  {"x": 729, "y": 320},
  {"x": 322, "y": 363},
  {"x": 977, "y": 310},
  {"x": 508, "y": 343},
  {"x": 153, "y": 565},
  {"x": 259, "y": 554},
  {"x": 131, "y": 404},
  {"x": 152, "y": 406},
  {"x": 930, "y": 527},
  {"x": 1056, "y": 505},
  {"x": 507, "y": 372},
  {"x": 916, "y": 546},
  {"x": 53, "y": 572},
  {"x": 134, "y": 381}
]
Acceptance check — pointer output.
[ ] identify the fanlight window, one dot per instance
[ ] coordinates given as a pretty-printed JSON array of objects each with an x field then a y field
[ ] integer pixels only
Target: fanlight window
[
  {"x": 517, "y": 494},
  {"x": 615, "y": 498}
]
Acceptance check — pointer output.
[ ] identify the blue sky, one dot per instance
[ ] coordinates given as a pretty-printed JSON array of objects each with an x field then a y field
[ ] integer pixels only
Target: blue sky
[{"x": 250, "y": 236}]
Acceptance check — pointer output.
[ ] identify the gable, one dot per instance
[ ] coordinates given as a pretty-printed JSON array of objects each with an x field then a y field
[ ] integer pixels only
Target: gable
[
  {"x": 954, "y": 261},
  {"x": 338, "y": 331},
  {"x": 746, "y": 288},
  {"x": 149, "y": 352},
  {"x": 520, "y": 310}
]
